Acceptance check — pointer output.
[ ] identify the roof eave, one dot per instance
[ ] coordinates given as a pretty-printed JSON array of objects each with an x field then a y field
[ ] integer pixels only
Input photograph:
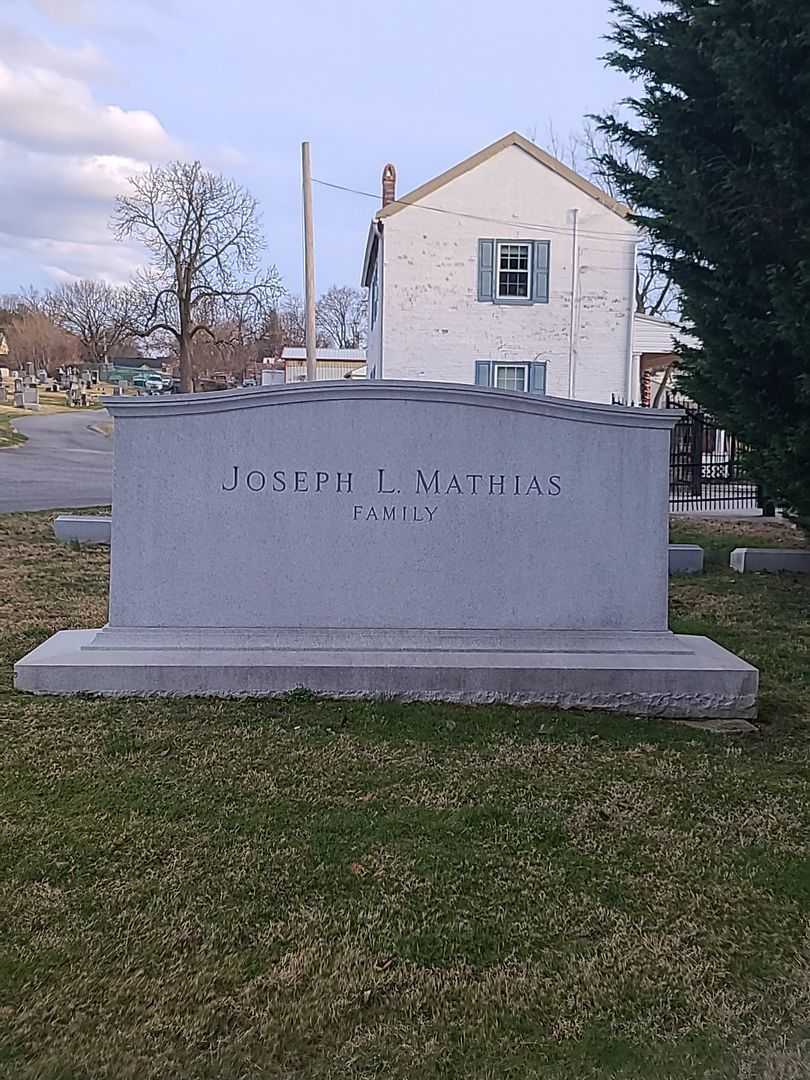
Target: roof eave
[
  {"x": 372, "y": 243},
  {"x": 512, "y": 139}
]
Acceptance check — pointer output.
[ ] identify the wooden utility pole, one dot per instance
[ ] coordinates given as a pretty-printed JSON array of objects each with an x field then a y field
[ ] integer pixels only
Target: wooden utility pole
[{"x": 309, "y": 263}]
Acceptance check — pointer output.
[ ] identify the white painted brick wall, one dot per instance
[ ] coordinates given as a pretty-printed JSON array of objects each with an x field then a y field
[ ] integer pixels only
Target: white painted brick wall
[{"x": 433, "y": 325}]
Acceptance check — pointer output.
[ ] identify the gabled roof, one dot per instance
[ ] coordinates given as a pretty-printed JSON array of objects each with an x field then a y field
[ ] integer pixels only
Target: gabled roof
[
  {"x": 657, "y": 336},
  {"x": 512, "y": 139}
]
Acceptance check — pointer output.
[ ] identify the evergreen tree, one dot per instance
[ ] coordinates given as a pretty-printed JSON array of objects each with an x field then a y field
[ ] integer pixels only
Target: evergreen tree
[{"x": 722, "y": 128}]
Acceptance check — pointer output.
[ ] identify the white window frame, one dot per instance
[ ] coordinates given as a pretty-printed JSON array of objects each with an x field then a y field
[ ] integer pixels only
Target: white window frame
[
  {"x": 505, "y": 297},
  {"x": 524, "y": 368}
]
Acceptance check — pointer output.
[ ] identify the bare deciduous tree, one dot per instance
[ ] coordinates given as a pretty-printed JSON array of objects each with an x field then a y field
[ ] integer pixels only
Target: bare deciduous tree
[
  {"x": 33, "y": 338},
  {"x": 289, "y": 325},
  {"x": 11, "y": 305},
  {"x": 341, "y": 315},
  {"x": 655, "y": 289},
  {"x": 292, "y": 324},
  {"x": 585, "y": 152},
  {"x": 96, "y": 313},
  {"x": 233, "y": 345},
  {"x": 204, "y": 237}
]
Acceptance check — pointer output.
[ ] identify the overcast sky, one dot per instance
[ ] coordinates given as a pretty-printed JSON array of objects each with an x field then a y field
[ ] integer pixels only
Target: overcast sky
[{"x": 92, "y": 90}]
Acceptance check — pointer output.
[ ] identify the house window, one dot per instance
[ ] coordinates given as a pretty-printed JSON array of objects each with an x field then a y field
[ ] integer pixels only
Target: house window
[
  {"x": 511, "y": 377},
  {"x": 522, "y": 377},
  {"x": 513, "y": 271}
]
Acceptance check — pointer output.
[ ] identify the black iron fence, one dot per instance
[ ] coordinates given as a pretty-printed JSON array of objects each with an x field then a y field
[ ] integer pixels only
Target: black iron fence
[{"x": 707, "y": 467}]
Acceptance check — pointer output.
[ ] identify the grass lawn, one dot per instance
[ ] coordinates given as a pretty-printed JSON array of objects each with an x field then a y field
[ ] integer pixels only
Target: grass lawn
[
  {"x": 307, "y": 888},
  {"x": 8, "y": 436}
]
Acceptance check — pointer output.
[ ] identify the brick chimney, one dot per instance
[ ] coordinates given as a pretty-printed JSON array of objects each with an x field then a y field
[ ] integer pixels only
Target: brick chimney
[{"x": 389, "y": 184}]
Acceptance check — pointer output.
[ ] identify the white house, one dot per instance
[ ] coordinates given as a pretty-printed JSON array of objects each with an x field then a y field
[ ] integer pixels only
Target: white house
[
  {"x": 655, "y": 341},
  {"x": 509, "y": 270}
]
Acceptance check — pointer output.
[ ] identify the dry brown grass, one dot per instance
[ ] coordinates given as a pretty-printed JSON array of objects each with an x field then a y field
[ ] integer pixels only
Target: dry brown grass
[{"x": 308, "y": 888}]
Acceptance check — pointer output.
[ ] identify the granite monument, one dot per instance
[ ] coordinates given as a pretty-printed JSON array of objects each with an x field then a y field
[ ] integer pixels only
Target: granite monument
[{"x": 413, "y": 539}]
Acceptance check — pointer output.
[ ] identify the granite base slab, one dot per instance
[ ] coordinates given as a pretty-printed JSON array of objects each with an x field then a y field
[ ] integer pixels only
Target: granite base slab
[{"x": 647, "y": 674}]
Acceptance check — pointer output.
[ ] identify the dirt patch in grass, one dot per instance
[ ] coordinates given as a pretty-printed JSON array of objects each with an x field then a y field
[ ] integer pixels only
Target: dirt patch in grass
[{"x": 320, "y": 889}]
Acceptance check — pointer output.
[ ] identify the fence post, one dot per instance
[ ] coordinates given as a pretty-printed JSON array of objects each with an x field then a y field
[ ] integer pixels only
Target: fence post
[
  {"x": 697, "y": 453},
  {"x": 732, "y": 457},
  {"x": 768, "y": 506}
]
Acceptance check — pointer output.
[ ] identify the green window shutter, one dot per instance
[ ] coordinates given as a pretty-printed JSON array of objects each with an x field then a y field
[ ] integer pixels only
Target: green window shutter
[
  {"x": 486, "y": 269},
  {"x": 483, "y": 373},
  {"x": 542, "y": 253},
  {"x": 537, "y": 378}
]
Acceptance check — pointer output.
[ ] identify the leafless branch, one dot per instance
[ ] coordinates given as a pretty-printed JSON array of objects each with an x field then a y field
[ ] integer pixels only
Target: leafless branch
[
  {"x": 341, "y": 316},
  {"x": 203, "y": 234},
  {"x": 96, "y": 313},
  {"x": 585, "y": 152}
]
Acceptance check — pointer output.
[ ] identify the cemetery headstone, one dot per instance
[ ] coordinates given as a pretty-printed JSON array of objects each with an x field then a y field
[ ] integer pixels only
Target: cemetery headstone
[{"x": 440, "y": 542}]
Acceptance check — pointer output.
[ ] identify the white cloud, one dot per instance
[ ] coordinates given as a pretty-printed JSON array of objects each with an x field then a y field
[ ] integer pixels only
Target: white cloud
[
  {"x": 45, "y": 110},
  {"x": 55, "y": 210},
  {"x": 130, "y": 22},
  {"x": 64, "y": 260},
  {"x": 45, "y": 195},
  {"x": 226, "y": 157},
  {"x": 83, "y": 61},
  {"x": 64, "y": 156},
  {"x": 65, "y": 153},
  {"x": 66, "y": 11}
]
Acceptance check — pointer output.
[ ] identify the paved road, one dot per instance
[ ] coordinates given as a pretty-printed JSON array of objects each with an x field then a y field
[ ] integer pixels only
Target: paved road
[{"x": 63, "y": 465}]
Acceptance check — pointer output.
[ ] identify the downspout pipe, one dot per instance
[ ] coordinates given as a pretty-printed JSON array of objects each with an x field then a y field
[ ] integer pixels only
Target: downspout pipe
[
  {"x": 631, "y": 391},
  {"x": 572, "y": 353},
  {"x": 380, "y": 295}
]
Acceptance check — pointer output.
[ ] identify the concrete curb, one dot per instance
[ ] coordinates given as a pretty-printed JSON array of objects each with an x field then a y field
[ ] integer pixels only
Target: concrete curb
[
  {"x": 103, "y": 429},
  {"x": 770, "y": 561}
]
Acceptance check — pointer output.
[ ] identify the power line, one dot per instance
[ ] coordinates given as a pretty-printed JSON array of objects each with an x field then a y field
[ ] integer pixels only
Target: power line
[{"x": 544, "y": 227}]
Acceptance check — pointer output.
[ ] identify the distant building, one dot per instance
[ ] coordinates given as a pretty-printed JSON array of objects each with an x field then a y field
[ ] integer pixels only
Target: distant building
[
  {"x": 655, "y": 341},
  {"x": 120, "y": 368},
  {"x": 331, "y": 363},
  {"x": 509, "y": 270},
  {"x": 151, "y": 363}
]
